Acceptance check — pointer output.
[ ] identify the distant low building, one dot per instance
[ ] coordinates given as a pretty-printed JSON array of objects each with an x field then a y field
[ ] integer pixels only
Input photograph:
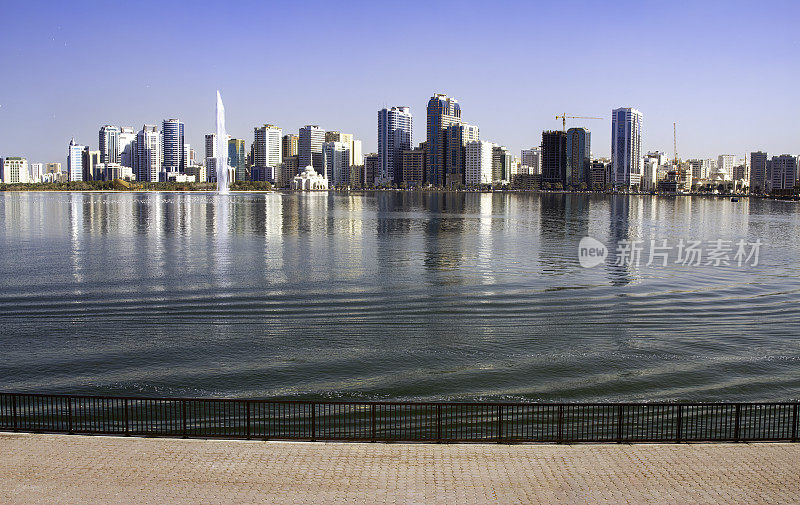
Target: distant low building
[
  {"x": 15, "y": 170},
  {"x": 309, "y": 180},
  {"x": 526, "y": 181}
]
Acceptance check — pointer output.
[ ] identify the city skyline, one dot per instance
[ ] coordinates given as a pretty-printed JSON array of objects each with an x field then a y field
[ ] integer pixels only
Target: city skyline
[{"x": 696, "y": 70}]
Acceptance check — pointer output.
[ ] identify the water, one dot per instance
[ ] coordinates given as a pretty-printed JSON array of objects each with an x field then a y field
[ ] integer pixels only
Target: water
[{"x": 436, "y": 296}]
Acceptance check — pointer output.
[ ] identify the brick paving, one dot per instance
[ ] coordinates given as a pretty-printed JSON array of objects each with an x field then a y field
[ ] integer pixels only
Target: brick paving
[{"x": 71, "y": 469}]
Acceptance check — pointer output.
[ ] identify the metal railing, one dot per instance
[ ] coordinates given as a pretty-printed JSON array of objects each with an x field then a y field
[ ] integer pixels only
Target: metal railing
[{"x": 400, "y": 421}]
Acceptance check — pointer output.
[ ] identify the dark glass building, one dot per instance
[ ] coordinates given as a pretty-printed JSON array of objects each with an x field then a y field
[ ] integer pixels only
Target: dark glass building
[
  {"x": 443, "y": 111},
  {"x": 579, "y": 156},
  {"x": 554, "y": 157}
]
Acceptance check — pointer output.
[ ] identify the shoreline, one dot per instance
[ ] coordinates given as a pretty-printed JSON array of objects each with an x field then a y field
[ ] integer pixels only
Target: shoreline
[{"x": 392, "y": 190}]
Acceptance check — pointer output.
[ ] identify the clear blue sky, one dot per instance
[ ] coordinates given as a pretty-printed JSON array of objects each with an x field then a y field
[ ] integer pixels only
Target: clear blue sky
[{"x": 727, "y": 72}]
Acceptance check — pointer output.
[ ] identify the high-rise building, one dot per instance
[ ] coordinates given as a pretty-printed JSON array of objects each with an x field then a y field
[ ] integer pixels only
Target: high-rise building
[
  {"x": 599, "y": 175},
  {"x": 554, "y": 157},
  {"x": 336, "y": 136},
  {"x": 579, "y": 156},
  {"x": 336, "y": 163},
  {"x": 309, "y": 147},
  {"x": 413, "y": 167},
  {"x": 372, "y": 169},
  {"x": 626, "y": 147},
  {"x": 442, "y": 111},
  {"x": 75, "y": 161},
  {"x": 289, "y": 145},
  {"x": 211, "y": 156},
  {"x": 147, "y": 161},
  {"x": 268, "y": 147},
  {"x": 52, "y": 168},
  {"x": 15, "y": 170},
  {"x": 725, "y": 163},
  {"x": 395, "y": 132},
  {"x": 287, "y": 171},
  {"x": 458, "y": 136},
  {"x": 172, "y": 137},
  {"x": 782, "y": 172},
  {"x": 36, "y": 171},
  {"x": 91, "y": 160},
  {"x": 478, "y": 163},
  {"x": 237, "y": 159},
  {"x": 109, "y": 144},
  {"x": 127, "y": 139},
  {"x": 502, "y": 161},
  {"x": 532, "y": 158},
  {"x": 354, "y": 145},
  {"x": 758, "y": 171}
]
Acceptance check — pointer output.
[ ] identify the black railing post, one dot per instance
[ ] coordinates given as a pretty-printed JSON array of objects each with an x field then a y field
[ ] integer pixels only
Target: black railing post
[
  {"x": 794, "y": 423},
  {"x": 183, "y": 417},
  {"x": 247, "y": 405},
  {"x": 439, "y": 423},
  {"x": 499, "y": 424},
  {"x": 69, "y": 414},
  {"x": 313, "y": 421},
  {"x": 680, "y": 425},
  {"x": 736, "y": 422},
  {"x": 14, "y": 412},
  {"x": 560, "y": 425},
  {"x": 619, "y": 423},
  {"x": 125, "y": 417},
  {"x": 372, "y": 422}
]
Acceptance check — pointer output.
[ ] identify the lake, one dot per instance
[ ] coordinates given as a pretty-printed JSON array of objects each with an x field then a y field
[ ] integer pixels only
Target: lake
[{"x": 399, "y": 296}]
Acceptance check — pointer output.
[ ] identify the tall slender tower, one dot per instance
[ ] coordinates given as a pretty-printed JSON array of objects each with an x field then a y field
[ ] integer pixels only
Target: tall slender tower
[
  {"x": 172, "y": 135},
  {"x": 394, "y": 136},
  {"x": 109, "y": 144},
  {"x": 443, "y": 111},
  {"x": 309, "y": 147},
  {"x": 626, "y": 143}
]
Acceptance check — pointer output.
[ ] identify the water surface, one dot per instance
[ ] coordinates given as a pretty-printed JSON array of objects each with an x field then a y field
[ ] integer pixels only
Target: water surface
[{"x": 408, "y": 296}]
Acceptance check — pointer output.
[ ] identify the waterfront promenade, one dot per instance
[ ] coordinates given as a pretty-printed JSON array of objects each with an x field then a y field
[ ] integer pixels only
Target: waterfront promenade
[{"x": 66, "y": 469}]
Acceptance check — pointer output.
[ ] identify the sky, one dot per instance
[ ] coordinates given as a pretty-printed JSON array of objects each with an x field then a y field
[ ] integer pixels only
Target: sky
[{"x": 726, "y": 72}]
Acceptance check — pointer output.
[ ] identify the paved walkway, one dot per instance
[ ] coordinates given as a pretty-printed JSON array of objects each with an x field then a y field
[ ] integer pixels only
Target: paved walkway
[{"x": 67, "y": 469}]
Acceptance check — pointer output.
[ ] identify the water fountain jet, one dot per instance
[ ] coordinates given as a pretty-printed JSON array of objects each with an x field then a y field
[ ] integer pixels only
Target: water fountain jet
[{"x": 222, "y": 150}]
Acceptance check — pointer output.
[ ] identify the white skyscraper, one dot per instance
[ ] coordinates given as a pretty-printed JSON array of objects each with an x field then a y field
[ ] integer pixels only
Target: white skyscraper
[
  {"x": 267, "y": 151},
  {"x": 75, "y": 161},
  {"x": 478, "y": 163},
  {"x": 148, "y": 154},
  {"x": 109, "y": 144},
  {"x": 127, "y": 139},
  {"x": 394, "y": 137},
  {"x": 626, "y": 144},
  {"x": 724, "y": 169},
  {"x": 37, "y": 171},
  {"x": 336, "y": 162}
]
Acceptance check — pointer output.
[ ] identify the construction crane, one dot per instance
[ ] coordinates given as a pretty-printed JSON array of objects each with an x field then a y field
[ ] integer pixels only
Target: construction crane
[{"x": 564, "y": 118}]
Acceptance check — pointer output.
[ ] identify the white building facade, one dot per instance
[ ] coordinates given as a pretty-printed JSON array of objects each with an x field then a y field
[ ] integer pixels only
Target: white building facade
[
  {"x": 478, "y": 163},
  {"x": 147, "y": 156},
  {"x": 15, "y": 170},
  {"x": 336, "y": 162},
  {"x": 395, "y": 132},
  {"x": 75, "y": 161}
]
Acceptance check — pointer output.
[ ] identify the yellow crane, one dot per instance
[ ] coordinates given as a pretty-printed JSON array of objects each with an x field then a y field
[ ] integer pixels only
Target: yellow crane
[{"x": 564, "y": 118}]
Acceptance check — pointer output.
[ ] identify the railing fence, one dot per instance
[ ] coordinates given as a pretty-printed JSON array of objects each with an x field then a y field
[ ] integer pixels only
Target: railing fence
[{"x": 400, "y": 421}]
